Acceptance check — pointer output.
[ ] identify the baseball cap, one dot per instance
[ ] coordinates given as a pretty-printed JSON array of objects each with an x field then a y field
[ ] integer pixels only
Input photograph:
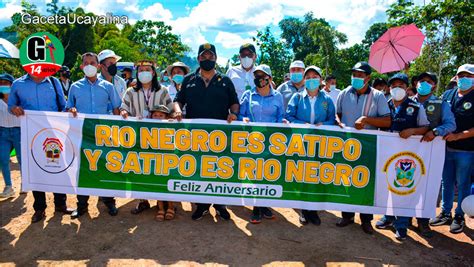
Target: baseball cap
[
  {"x": 469, "y": 68},
  {"x": 106, "y": 54},
  {"x": 312, "y": 67},
  {"x": 265, "y": 68},
  {"x": 248, "y": 46},
  {"x": 362, "y": 66},
  {"x": 430, "y": 75},
  {"x": 297, "y": 64},
  {"x": 6, "y": 77},
  {"x": 207, "y": 47},
  {"x": 399, "y": 76}
]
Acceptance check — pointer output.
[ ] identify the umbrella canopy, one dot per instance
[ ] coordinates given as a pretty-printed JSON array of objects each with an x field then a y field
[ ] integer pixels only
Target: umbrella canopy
[
  {"x": 8, "y": 50},
  {"x": 396, "y": 48}
]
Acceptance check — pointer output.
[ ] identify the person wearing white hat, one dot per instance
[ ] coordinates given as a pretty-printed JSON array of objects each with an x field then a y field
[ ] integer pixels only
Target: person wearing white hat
[
  {"x": 242, "y": 75},
  {"x": 459, "y": 159},
  {"x": 108, "y": 70},
  {"x": 176, "y": 71},
  {"x": 295, "y": 84}
]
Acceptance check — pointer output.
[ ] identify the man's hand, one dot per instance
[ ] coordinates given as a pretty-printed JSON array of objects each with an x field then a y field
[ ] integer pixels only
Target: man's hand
[
  {"x": 285, "y": 121},
  {"x": 124, "y": 114},
  {"x": 73, "y": 111},
  {"x": 452, "y": 137},
  {"x": 17, "y": 111},
  {"x": 246, "y": 120},
  {"x": 406, "y": 133},
  {"x": 360, "y": 123},
  {"x": 231, "y": 117},
  {"x": 319, "y": 124},
  {"x": 428, "y": 137},
  {"x": 178, "y": 116}
]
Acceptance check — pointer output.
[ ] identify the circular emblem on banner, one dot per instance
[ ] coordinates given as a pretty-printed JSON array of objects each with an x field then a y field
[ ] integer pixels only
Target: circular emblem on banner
[
  {"x": 52, "y": 150},
  {"x": 404, "y": 171},
  {"x": 430, "y": 108},
  {"x": 41, "y": 54},
  {"x": 467, "y": 105},
  {"x": 410, "y": 110}
]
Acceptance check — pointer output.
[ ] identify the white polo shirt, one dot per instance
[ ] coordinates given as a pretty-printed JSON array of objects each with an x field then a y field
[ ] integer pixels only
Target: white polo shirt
[{"x": 241, "y": 79}]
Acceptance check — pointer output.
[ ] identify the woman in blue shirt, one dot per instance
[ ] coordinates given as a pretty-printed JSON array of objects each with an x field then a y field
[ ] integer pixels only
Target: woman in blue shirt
[
  {"x": 311, "y": 107},
  {"x": 262, "y": 104}
]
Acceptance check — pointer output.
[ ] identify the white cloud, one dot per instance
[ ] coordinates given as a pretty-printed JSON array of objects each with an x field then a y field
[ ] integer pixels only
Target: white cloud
[
  {"x": 157, "y": 12},
  {"x": 8, "y": 10},
  {"x": 231, "y": 40}
]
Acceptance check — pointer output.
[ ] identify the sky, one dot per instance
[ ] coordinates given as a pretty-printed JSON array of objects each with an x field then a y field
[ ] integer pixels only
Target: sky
[{"x": 225, "y": 23}]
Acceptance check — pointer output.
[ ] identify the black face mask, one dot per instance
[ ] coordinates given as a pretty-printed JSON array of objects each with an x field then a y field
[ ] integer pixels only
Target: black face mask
[
  {"x": 207, "y": 65},
  {"x": 258, "y": 81},
  {"x": 66, "y": 74},
  {"x": 112, "y": 69}
]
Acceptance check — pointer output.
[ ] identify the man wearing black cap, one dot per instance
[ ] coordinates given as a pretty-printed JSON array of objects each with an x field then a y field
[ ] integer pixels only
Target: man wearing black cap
[
  {"x": 362, "y": 107},
  {"x": 242, "y": 75},
  {"x": 207, "y": 94},
  {"x": 127, "y": 76},
  {"x": 64, "y": 75}
]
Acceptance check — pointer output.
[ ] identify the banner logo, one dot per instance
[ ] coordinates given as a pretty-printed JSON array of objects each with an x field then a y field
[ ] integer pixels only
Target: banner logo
[
  {"x": 404, "y": 171},
  {"x": 52, "y": 150},
  {"x": 41, "y": 54}
]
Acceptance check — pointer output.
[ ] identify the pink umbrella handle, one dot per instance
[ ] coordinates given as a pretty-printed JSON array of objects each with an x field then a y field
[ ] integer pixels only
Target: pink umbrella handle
[{"x": 391, "y": 44}]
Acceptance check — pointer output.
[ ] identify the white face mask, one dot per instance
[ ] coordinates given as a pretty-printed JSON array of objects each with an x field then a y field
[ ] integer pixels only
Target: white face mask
[
  {"x": 332, "y": 87},
  {"x": 246, "y": 62},
  {"x": 145, "y": 76},
  {"x": 90, "y": 71},
  {"x": 398, "y": 93}
]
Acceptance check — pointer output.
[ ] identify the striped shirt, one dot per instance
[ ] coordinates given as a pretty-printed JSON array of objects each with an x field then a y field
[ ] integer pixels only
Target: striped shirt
[
  {"x": 7, "y": 120},
  {"x": 138, "y": 104}
]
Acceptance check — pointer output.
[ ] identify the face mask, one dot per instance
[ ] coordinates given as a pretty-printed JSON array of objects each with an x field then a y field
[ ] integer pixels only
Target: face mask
[
  {"x": 296, "y": 77},
  {"x": 357, "y": 83},
  {"x": 423, "y": 88},
  {"x": 112, "y": 69},
  {"x": 246, "y": 62},
  {"x": 312, "y": 84},
  {"x": 465, "y": 83},
  {"x": 178, "y": 78},
  {"x": 66, "y": 74},
  {"x": 90, "y": 71},
  {"x": 5, "y": 89},
  {"x": 145, "y": 76},
  {"x": 207, "y": 65},
  {"x": 332, "y": 87},
  {"x": 261, "y": 82},
  {"x": 165, "y": 78},
  {"x": 398, "y": 93}
]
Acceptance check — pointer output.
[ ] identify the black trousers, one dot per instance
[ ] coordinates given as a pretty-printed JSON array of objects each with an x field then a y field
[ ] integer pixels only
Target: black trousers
[
  {"x": 365, "y": 218},
  {"x": 207, "y": 206},
  {"x": 40, "y": 200},
  {"x": 82, "y": 201}
]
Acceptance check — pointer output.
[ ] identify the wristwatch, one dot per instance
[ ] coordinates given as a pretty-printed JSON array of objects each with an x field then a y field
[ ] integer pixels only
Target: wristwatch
[{"x": 435, "y": 132}]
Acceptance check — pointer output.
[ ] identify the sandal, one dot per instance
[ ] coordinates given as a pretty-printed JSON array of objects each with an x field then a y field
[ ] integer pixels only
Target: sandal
[
  {"x": 170, "y": 213},
  {"x": 160, "y": 216},
  {"x": 142, "y": 206}
]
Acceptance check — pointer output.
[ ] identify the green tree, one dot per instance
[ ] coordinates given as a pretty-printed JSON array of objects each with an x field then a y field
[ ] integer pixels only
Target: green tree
[{"x": 374, "y": 32}]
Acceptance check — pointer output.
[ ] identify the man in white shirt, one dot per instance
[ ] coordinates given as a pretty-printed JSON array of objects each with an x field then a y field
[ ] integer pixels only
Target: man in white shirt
[
  {"x": 108, "y": 70},
  {"x": 242, "y": 75},
  {"x": 330, "y": 88}
]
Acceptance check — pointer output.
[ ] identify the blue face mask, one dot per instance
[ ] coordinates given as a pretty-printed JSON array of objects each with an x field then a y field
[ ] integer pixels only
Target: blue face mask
[
  {"x": 465, "y": 83},
  {"x": 296, "y": 77},
  {"x": 178, "y": 78},
  {"x": 312, "y": 84},
  {"x": 357, "y": 83},
  {"x": 165, "y": 78},
  {"x": 424, "y": 88},
  {"x": 5, "y": 89}
]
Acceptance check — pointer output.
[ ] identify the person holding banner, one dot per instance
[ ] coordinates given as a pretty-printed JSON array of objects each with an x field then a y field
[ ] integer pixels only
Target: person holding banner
[
  {"x": 408, "y": 118},
  {"x": 207, "y": 94},
  {"x": 9, "y": 135},
  {"x": 261, "y": 104},
  {"x": 459, "y": 161},
  {"x": 43, "y": 94},
  {"x": 311, "y": 107},
  {"x": 92, "y": 95},
  {"x": 362, "y": 107},
  {"x": 442, "y": 122},
  {"x": 139, "y": 101}
]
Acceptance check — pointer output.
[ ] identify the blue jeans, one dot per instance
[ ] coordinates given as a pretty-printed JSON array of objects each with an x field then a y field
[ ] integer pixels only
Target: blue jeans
[
  {"x": 399, "y": 222},
  {"x": 457, "y": 170},
  {"x": 9, "y": 139}
]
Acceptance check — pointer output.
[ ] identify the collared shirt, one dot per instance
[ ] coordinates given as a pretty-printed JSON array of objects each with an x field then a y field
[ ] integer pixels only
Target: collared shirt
[
  {"x": 211, "y": 102},
  {"x": 7, "y": 119},
  {"x": 301, "y": 109},
  {"x": 333, "y": 94},
  {"x": 351, "y": 105},
  {"x": 287, "y": 90},
  {"x": 172, "y": 91},
  {"x": 119, "y": 84},
  {"x": 41, "y": 96},
  {"x": 93, "y": 98},
  {"x": 260, "y": 108},
  {"x": 243, "y": 80},
  {"x": 66, "y": 86},
  {"x": 448, "y": 122}
]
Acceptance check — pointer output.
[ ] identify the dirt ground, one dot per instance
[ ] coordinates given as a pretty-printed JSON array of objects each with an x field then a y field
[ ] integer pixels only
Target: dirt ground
[{"x": 98, "y": 239}]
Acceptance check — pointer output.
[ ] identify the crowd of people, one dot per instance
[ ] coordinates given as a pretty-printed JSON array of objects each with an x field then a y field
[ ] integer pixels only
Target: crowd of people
[{"x": 248, "y": 93}]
